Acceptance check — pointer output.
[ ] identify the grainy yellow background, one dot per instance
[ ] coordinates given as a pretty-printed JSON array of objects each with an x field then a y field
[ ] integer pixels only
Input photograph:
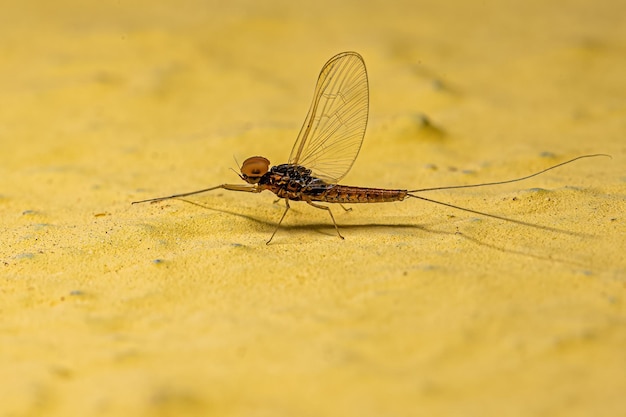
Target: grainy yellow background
[{"x": 173, "y": 309}]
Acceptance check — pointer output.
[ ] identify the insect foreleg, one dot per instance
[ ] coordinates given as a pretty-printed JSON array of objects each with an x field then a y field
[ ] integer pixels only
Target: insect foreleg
[
  {"x": 231, "y": 187},
  {"x": 249, "y": 188}
]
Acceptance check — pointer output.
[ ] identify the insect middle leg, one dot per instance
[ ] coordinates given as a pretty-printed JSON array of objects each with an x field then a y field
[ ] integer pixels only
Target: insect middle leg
[
  {"x": 279, "y": 222},
  {"x": 329, "y": 212}
]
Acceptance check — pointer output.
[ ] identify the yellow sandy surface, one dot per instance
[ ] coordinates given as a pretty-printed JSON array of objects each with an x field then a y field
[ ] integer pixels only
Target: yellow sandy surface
[{"x": 175, "y": 309}]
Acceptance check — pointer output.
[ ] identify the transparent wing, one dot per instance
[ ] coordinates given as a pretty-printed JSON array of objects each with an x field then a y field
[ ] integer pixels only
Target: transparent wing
[{"x": 332, "y": 133}]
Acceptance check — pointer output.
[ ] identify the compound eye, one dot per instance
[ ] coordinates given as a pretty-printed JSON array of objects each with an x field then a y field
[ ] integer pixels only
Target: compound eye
[{"x": 254, "y": 168}]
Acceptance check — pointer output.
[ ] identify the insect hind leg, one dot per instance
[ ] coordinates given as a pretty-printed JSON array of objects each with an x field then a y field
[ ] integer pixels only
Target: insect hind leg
[{"x": 329, "y": 212}]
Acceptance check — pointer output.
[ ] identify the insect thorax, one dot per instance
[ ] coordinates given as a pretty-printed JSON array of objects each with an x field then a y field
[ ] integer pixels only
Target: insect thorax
[{"x": 294, "y": 182}]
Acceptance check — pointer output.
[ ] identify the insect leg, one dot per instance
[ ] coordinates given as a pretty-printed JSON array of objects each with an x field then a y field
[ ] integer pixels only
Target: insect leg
[
  {"x": 329, "y": 212},
  {"x": 279, "y": 222},
  {"x": 231, "y": 187},
  {"x": 345, "y": 208}
]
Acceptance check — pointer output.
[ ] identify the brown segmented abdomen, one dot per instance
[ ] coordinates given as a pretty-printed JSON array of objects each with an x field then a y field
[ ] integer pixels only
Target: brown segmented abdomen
[{"x": 347, "y": 194}]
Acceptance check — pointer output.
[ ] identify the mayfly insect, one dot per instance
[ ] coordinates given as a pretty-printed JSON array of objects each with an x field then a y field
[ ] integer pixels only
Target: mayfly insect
[{"x": 326, "y": 148}]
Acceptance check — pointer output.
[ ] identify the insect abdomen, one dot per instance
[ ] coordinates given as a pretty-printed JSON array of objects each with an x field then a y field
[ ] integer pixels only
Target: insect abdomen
[{"x": 347, "y": 194}]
